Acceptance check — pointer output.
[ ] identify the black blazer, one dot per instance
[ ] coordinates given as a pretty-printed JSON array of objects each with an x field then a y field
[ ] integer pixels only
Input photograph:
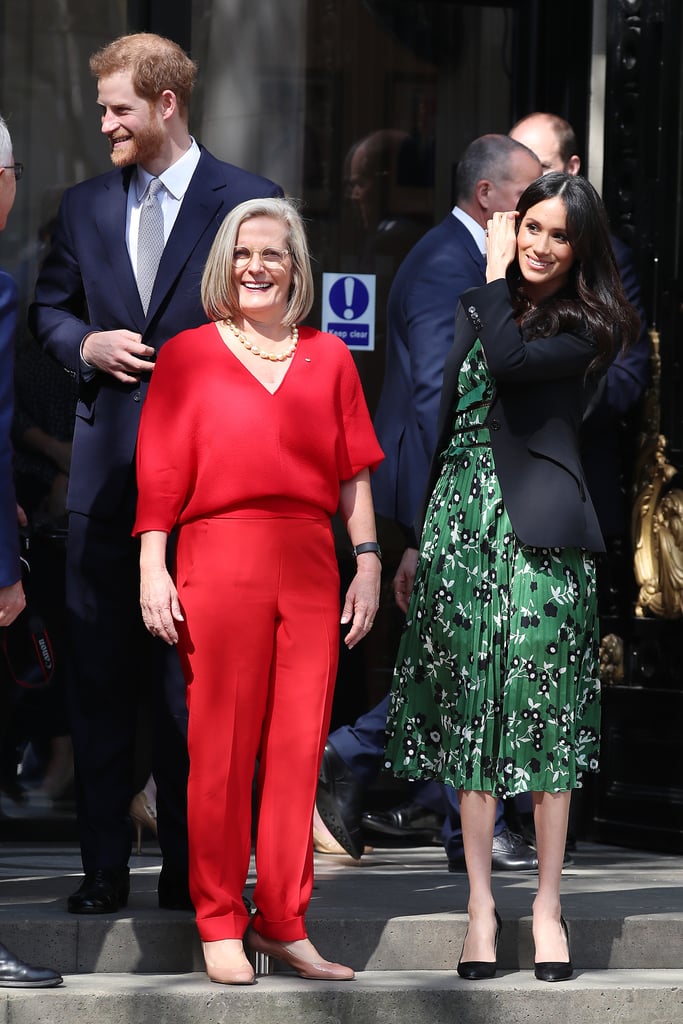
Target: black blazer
[
  {"x": 534, "y": 420},
  {"x": 87, "y": 284}
]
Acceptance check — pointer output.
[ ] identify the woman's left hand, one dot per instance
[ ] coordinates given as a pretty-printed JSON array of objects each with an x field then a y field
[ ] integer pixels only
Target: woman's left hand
[
  {"x": 159, "y": 603},
  {"x": 362, "y": 602}
]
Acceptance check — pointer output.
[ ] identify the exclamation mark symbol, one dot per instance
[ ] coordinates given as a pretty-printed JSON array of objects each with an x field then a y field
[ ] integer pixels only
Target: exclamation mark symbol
[{"x": 348, "y": 297}]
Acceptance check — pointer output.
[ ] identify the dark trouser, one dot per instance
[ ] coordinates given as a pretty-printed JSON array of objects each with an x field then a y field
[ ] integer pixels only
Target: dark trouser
[
  {"x": 361, "y": 747},
  {"x": 118, "y": 674}
]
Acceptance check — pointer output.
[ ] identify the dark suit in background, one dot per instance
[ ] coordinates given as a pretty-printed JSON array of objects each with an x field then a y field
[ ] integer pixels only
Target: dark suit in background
[
  {"x": 14, "y": 973},
  {"x": 87, "y": 284},
  {"x": 10, "y": 571},
  {"x": 605, "y": 460},
  {"x": 420, "y": 313}
]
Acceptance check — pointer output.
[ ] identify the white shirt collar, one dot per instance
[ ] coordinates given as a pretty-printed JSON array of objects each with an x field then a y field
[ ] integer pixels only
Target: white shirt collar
[
  {"x": 476, "y": 230},
  {"x": 176, "y": 178}
]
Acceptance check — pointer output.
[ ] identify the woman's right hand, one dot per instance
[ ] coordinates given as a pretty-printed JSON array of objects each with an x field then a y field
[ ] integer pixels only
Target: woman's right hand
[
  {"x": 405, "y": 578},
  {"x": 501, "y": 244},
  {"x": 159, "y": 603}
]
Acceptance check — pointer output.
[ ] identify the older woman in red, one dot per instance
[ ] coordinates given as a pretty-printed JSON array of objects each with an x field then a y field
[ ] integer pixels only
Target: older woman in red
[{"x": 254, "y": 433}]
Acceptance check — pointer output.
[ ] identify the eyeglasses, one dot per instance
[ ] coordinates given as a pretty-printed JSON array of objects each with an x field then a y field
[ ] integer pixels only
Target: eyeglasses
[
  {"x": 17, "y": 168},
  {"x": 270, "y": 257}
]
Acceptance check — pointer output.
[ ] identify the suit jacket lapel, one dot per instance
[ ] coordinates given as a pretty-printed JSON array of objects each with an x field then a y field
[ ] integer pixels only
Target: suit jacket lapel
[
  {"x": 110, "y": 218},
  {"x": 467, "y": 241}
]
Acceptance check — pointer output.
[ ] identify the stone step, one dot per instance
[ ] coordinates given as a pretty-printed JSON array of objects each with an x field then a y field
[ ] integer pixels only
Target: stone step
[
  {"x": 396, "y": 910},
  {"x": 402, "y": 997},
  {"x": 154, "y": 941}
]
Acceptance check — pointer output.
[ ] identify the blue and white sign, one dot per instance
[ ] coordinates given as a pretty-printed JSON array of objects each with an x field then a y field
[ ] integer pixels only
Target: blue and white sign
[{"x": 349, "y": 309}]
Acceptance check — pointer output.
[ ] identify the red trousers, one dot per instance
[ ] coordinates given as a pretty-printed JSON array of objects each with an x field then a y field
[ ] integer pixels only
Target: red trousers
[{"x": 259, "y": 648}]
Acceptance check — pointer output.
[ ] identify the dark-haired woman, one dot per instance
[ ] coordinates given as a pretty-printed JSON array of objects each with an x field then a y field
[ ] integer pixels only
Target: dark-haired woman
[{"x": 496, "y": 689}]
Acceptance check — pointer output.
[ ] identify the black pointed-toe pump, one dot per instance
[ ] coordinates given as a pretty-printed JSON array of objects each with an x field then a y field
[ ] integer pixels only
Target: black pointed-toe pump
[
  {"x": 556, "y": 971},
  {"x": 479, "y": 970}
]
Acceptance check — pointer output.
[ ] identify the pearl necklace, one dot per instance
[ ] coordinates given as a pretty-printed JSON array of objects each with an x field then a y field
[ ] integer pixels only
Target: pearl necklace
[{"x": 274, "y": 357}]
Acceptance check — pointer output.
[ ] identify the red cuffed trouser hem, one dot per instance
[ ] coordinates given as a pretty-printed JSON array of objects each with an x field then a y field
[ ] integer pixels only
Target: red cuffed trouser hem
[
  {"x": 280, "y": 931},
  {"x": 259, "y": 648},
  {"x": 230, "y": 926}
]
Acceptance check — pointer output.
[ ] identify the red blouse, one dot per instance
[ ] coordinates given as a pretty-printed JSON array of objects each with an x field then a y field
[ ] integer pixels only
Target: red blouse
[{"x": 213, "y": 439}]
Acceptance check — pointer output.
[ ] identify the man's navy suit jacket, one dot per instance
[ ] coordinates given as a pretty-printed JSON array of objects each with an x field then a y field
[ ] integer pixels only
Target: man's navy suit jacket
[
  {"x": 420, "y": 317},
  {"x": 87, "y": 284}
]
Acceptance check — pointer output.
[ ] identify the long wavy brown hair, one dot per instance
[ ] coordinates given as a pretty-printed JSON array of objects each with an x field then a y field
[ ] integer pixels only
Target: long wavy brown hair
[{"x": 592, "y": 302}]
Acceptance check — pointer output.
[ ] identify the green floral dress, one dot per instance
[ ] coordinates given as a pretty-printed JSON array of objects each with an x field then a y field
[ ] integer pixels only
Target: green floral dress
[{"x": 496, "y": 685}]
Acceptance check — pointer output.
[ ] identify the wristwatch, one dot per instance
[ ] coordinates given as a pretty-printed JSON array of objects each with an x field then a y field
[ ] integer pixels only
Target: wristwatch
[{"x": 370, "y": 545}]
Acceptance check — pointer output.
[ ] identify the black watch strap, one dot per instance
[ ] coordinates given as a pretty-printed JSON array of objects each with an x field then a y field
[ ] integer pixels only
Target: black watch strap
[{"x": 370, "y": 545}]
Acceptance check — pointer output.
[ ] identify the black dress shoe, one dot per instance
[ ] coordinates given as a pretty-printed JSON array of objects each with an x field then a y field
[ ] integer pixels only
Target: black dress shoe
[
  {"x": 551, "y": 970},
  {"x": 412, "y": 822},
  {"x": 173, "y": 889},
  {"x": 480, "y": 970},
  {"x": 100, "y": 892},
  {"x": 14, "y": 973},
  {"x": 510, "y": 853},
  {"x": 340, "y": 802}
]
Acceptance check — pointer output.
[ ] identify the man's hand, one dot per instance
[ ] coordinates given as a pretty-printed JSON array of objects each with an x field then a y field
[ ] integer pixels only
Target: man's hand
[
  {"x": 12, "y": 602},
  {"x": 120, "y": 353},
  {"x": 405, "y": 578}
]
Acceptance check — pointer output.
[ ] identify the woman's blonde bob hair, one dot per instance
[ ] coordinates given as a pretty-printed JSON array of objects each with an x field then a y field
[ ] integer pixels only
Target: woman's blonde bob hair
[{"x": 220, "y": 293}]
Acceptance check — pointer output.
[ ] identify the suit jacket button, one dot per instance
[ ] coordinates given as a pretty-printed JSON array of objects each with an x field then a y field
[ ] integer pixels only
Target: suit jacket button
[
  {"x": 136, "y": 396},
  {"x": 494, "y": 424}
]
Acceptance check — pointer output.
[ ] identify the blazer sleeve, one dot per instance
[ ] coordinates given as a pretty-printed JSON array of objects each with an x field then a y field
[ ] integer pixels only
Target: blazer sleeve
[
  {"x": 629, "y": 373},
  {"x": 509, "y": 357},
  {"x": 58, "y": 317},
  {"x": 10, "y": 570},
  {"x": 167, "y": 437}
]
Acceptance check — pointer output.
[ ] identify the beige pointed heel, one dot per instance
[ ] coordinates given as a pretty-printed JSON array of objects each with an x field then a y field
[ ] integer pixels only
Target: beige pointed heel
[{"x": 144, "y": 816}]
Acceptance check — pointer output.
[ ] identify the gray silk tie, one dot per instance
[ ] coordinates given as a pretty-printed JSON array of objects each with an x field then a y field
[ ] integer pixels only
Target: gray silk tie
[{"x": 150, "y": 241}]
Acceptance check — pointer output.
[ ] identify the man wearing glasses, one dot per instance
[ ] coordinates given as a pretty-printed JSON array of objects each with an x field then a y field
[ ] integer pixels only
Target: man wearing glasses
[
  {"x": 122, "y": 276},
  {"x": 14, "y": 973}
]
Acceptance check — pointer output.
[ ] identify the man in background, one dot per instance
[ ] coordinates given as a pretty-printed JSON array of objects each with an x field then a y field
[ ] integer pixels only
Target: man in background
[{"x": 14, "y": 973}]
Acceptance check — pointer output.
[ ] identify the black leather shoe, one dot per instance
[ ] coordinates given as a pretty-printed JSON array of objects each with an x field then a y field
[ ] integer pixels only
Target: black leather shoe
[
  {"x": 510, "y": 853},
  {"x": 340, "y": 802},
  {"x": 173, "y": 889},
  {"x": 100, "y": 892},
  {"x": 556, "y": 971},
  {"x": 411, "y": 822},
  {"x": 14, "y": 973}
]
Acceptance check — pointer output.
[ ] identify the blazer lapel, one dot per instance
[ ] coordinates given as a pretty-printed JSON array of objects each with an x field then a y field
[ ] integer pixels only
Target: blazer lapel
[
  {"x": 466, "y": 239},
  {"x": 110, "y": 218}
]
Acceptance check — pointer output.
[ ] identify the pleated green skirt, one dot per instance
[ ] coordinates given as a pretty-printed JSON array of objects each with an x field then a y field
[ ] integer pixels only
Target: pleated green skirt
[{"x": 496, "y": 686}]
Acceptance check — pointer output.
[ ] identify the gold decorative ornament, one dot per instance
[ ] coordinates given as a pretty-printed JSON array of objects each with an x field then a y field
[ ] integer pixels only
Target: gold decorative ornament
[
  {"x": 611, "y": 660},
  {"x": 657, "y": 518}
]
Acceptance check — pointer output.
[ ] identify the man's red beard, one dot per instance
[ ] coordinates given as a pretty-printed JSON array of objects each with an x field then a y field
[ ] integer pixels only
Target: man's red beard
[{"x": 140, "y": 148}]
